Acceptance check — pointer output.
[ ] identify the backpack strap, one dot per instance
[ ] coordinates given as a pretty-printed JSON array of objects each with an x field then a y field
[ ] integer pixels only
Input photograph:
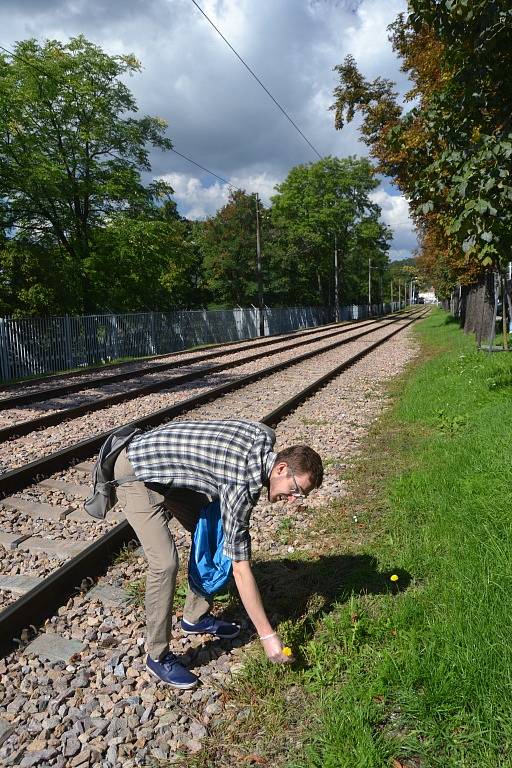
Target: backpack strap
[{"x": 122, "y": 480}]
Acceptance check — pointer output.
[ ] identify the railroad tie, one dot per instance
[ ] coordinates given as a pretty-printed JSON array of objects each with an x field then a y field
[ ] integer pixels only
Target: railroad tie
[
  {"x": 73, "y": 489},
  {"x": 56, "y": 547},
  {"x": 109, "y": 595},
  {"x": 12, "y": 540},
  {"x": 114, "y": 515},
  {"x": 36, "y": 509},
  {"x": 19, "y": 584},
  {"x": 53, "y": 647},
  {"x": 85, "y": 466}
]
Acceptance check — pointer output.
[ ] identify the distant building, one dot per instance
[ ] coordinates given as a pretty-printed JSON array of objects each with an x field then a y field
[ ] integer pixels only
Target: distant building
[{"x": 428, "y": 297}]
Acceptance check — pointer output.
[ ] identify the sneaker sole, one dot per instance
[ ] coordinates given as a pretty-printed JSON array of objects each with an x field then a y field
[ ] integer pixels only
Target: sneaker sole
[
  {"x": 214, "y": 634},
  {"x": 183, "y": 686}
]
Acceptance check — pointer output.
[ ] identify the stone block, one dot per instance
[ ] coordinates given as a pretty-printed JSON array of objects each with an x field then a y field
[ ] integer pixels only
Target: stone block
[
  {"x": 53, "y": 647},
  {"x": 5, "y": 730}
]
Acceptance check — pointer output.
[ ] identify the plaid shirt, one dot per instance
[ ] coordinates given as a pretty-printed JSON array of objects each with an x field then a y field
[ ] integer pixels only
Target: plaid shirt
[{"x": 227, "y": 460}]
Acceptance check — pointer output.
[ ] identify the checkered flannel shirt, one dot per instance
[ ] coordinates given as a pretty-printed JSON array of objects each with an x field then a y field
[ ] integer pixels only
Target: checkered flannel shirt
[{"x": 227, "y": 460}]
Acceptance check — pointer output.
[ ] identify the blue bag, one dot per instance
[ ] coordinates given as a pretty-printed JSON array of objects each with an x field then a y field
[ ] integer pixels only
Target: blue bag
[{"x": 208, "y": 567}]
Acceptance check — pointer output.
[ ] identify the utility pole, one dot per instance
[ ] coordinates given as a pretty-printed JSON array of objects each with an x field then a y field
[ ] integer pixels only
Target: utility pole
[
  {"x": 369, "y": 287},
  {"x": 336, "y": 285},
  {"x": 399, "y": 305},
  {"x": 391, "y": 287},
  {"x": 258, "y": 270}
]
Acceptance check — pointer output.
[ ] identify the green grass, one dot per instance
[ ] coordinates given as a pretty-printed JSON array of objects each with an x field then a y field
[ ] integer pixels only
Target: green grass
[
  {"x": 429, "y": 679},
  {"x": 415, "y": 673}
]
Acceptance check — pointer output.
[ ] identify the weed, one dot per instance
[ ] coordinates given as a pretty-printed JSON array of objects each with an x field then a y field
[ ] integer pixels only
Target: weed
[
  {"x": 136, "y": 590},
  {"x": 449, "y": 422},
  {"x": 284, "y": 530},
  {"x": 127, "y": 554}
]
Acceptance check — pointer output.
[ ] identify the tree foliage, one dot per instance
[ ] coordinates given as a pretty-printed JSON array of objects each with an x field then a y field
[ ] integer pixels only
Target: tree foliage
[
  {"x": 80, "y": 231},
  {"x": 143, "y": 264},
  {"x": 317, "y": 206},
  {"x": 451, "y": 152},
  {"x": 71, "y": 150},
  {"x": 228, "y": 243}
]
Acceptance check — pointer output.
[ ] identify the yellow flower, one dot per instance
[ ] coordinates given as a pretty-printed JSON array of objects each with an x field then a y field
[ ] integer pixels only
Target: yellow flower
[
  {"x": 394, "y": 577},
  {"x": 287, "y": 651}
]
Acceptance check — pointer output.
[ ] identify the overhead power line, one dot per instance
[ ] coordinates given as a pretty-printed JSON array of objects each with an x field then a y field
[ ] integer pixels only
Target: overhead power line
[
  {"x": 32, "y": 64},
  {"x": 203, "y": 168},
  {"x": 278, "y": 105},
  {"x": 43, "y": 71},
  {"x": 188, "y": 159}
]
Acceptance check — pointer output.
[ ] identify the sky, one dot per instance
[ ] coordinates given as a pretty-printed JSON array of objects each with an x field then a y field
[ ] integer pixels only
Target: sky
[{"x": 217, "y": 114}]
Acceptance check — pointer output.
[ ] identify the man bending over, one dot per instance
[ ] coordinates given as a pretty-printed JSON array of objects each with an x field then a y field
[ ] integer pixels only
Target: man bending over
[{"x": 180, "y": 467}]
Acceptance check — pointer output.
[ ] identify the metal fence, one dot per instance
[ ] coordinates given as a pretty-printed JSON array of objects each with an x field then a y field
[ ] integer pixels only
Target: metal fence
[{"x": 44, "y": 345}]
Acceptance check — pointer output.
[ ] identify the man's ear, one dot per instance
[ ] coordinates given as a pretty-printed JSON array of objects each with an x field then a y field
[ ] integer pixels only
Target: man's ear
[{"x": 281, "y": 468}]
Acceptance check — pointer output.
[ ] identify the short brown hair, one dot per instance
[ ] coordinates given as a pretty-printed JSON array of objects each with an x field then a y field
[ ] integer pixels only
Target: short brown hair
[{"x": 303, "y": 460}]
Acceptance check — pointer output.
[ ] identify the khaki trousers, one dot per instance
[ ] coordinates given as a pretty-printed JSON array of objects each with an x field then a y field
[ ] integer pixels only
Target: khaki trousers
[{"x": 149, "y": 512}]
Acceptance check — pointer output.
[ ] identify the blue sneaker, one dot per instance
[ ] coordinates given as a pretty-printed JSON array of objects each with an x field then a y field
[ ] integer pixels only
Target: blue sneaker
[
  {"x": 211, "y": 626},
  {"x": 170, "y": 671}
]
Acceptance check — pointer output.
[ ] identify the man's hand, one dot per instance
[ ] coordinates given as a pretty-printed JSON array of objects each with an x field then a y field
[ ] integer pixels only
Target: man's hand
[
  {"x": 249, "y": 593},
  {"x": 274, "y": 650}
]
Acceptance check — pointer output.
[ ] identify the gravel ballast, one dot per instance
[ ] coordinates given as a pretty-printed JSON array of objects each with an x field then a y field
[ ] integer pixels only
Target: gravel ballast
[{"x": 100, "y": 706}]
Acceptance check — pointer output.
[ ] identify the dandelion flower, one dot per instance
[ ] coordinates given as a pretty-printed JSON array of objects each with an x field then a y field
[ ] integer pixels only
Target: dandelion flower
[
  {"x": 287, "y": 651},
  {"x": 394, "y": 577}
]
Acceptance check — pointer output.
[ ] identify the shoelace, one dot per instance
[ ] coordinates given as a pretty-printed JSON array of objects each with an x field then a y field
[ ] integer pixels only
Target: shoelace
[{"x": 169, "y": 661}]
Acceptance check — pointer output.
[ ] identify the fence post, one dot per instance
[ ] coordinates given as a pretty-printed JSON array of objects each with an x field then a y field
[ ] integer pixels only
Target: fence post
[
  {"x": 4, "y": 353},
  {"x": 70, "y": 361},
  {"x": 153, "y": 349}
]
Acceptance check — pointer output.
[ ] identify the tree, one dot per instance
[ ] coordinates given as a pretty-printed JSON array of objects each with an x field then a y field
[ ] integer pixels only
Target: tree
[
  {"x": 71, "y": 151},
  {"x": 321, "y": 204},
  {"x": 451, "y": 153},
  {"x": 228, "y": 243},
  {"x": 37, "y": 278},
  {"x": 150, "y": 259}
]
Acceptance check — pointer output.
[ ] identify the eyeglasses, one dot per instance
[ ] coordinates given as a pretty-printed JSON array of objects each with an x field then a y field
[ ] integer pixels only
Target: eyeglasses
[{"x": 298, "y": 493}]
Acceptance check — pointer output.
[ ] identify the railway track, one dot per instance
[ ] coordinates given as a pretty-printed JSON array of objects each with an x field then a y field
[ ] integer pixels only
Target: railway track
[
  {"x": 34, "y": 390},
  {"x": 40, "y": 601},
  {"x": 63, "y": 413},
  {"x": 23, "y": 450}
]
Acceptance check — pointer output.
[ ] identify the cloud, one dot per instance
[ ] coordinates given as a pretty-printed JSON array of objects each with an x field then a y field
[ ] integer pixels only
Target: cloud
[
  {"x": 217, "y": 113},
  {"x": 197, "y": 200},
  {"x": 395, "y": 213}
]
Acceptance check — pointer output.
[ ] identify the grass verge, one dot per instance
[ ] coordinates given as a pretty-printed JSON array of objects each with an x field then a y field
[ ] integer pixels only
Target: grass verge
[{"x": 410, "y": 673}]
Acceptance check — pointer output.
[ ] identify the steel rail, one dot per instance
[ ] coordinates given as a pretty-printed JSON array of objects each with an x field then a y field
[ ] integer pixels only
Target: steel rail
[
  {"x": 17, "y": 479},
  {"x": 52, "y": 419},
  {"x": 42, "y": 601},
  {"x": 66, "y": 389}
]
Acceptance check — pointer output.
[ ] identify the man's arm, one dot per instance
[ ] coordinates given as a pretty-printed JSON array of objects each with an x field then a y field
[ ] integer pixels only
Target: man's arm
[{"x": 251, "y": 598}]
